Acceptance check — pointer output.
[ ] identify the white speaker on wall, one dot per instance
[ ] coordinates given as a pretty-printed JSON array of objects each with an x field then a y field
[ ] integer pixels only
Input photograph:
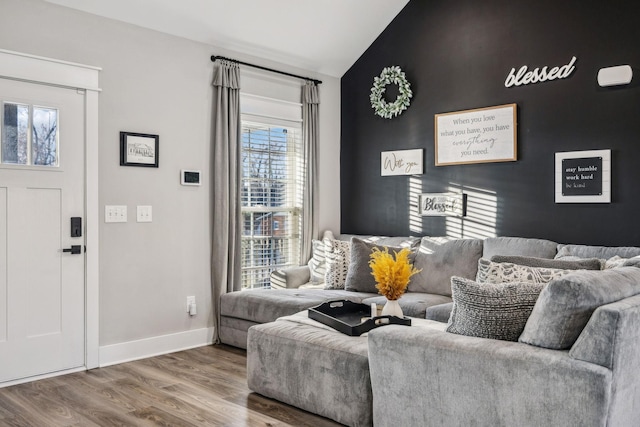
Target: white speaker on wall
[{"x": 614, "y": 76}]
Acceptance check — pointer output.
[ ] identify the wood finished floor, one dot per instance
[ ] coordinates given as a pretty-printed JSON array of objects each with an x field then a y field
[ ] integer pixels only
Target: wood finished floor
[{"x": 205, "y": 386}]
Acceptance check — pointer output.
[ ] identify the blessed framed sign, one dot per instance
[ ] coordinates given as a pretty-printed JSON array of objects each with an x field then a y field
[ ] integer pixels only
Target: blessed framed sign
[
  {"x": 483, "y": 135},
  {"x": 443, "y": 204}
]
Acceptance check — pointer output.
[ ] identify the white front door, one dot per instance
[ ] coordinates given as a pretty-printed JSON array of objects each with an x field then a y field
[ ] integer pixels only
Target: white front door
[{"x": 42, "y": 178}]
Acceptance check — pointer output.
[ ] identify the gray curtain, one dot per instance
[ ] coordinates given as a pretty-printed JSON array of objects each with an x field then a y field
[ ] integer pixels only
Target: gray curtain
[
  {"x": 227, "y": 218},
  {"x": 311, "y": 136}
]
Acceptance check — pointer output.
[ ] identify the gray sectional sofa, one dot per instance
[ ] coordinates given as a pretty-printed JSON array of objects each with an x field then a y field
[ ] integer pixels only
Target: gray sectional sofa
[
  {"x": 429, "y": 293},
  {"x": 574, "y": 358}
]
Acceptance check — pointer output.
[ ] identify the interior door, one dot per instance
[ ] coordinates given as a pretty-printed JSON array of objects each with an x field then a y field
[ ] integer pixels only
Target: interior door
[{"x": 42, "y": 287}]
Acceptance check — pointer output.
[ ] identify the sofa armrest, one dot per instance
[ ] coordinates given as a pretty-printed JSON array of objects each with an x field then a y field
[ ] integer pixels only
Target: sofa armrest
[
  {"x": 439, "y": 378},
  {"x": 288, "y": 278}
]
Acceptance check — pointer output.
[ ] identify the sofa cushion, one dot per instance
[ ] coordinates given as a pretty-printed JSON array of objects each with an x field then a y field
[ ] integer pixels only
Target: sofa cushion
[
  {"x": 359, "y": 277},
  {"x": 266, "y": 305},
  {"x": 412, "y": 304},
  {"x": 487, "y": 310},
  {"x": 566, "y": 304},
  {"x": 602, "y": 252},
  {"x": 440, "y": 258},
  {"x": 519, "y": 246},
  {"x": 439, "y": 313},
  {"x": 338, "y": 255},
  {"x": 579, "y": 264},
  {"x": 503, "y": 272}
]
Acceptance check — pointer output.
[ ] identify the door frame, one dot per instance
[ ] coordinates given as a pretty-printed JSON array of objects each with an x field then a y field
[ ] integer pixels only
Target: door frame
[{"x": 84, "y": 79}]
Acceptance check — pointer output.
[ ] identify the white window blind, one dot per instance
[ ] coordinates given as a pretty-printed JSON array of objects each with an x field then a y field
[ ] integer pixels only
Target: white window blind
[{"x": 272, "y": 177}]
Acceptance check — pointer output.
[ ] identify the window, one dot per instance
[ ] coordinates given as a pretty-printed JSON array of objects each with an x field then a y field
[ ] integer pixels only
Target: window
[
  {"x": 272, "y": 172},
  {"x": 29, "y": 135}
]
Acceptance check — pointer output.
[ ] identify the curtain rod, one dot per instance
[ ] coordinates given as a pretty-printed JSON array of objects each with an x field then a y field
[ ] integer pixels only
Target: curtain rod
[{"x": 213, "y": 59}]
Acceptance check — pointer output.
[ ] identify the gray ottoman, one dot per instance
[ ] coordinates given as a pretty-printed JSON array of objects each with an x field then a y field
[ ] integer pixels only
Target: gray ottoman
[{"x": 316, "y": 369}]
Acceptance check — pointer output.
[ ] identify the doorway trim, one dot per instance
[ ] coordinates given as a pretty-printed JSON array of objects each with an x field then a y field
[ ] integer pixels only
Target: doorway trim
[{"x": 84, "y": 79}]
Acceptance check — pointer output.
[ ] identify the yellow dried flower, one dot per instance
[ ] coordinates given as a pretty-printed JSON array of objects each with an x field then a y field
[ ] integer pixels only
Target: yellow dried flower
[{"x": 392, "y": 275}]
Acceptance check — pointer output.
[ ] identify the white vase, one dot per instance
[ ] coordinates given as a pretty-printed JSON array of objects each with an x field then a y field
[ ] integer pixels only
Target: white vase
[{"x": 392, "y": 308}]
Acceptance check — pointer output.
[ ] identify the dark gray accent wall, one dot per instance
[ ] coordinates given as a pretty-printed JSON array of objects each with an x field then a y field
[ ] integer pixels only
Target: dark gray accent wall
[{"x": 457, "y": 55}]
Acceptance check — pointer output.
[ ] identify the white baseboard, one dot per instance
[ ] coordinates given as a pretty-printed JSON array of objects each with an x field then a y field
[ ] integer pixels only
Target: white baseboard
[{"x": 154, "y": 346}]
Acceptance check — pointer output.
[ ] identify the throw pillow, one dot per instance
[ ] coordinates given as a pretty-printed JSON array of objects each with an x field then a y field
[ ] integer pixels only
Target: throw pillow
[
  {"x": 337, "y": 255},
  {"x": 632, "y": 262},
  {"x": 318, "y": 262},
  {"x": 566, "y": 304},
  {"x": 494, "y": 272},
  {"x": 519, "y": 246},
  {"x": 579, "y": 264},
  {"x": 602, "y": 252},
  {"x": 617, "y": 261},
  {"x": 497, "y": 311},
  {"x": 440, "y": 258},
  {"x": 359, "y": 277}
]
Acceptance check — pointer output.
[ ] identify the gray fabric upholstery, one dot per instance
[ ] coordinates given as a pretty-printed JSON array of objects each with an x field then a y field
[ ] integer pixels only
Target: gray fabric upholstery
[
  {"x": 602, "y": 252},
  {"x": 412, "y": 304},
  {"x": 439, "y": 258},
  {"x": 581, "y": 264},
  {"x": 233, "y": 331},
  {"x": 425, "y": 377},
  {"x": 597, "y": 342},
  {"x": 440, "y": 312},
  {"x": 320, "y": 371},
  {"x": 519, "y": 246},
  {"x": 632, "y": 262},
  {"x": 496, "y": 311},
  {"x": 359, "y": 277},
  {"x": 566, "y": 304},
  {"x": 290, "y": 278},
  {"x": 266, "y": 305}
]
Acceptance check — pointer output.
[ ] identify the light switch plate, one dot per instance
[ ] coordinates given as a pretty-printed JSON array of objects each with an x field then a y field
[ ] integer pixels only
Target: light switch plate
[
  {"x": 115, "y": 213},
  {"x": 144, "y": 213}
]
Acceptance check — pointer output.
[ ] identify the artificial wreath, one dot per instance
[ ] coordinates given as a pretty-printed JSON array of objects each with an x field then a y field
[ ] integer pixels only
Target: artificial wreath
[{"x": 390, "y": 75}]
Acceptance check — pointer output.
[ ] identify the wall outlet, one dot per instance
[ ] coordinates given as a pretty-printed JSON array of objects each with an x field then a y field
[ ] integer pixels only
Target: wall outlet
[
  {"x": 191, "y": 305},
  {"x": 144, "y": 213}
]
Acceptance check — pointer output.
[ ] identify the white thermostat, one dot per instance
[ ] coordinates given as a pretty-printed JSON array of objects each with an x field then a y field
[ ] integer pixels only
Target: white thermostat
[{"x": 188, "y": 177}]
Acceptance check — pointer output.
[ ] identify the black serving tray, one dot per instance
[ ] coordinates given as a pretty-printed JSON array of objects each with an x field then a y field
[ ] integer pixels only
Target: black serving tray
[{"x": 347, "y": 317}]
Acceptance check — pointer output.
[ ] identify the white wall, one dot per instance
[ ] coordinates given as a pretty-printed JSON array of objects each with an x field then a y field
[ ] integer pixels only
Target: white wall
[{"x": 159, "y": 84}]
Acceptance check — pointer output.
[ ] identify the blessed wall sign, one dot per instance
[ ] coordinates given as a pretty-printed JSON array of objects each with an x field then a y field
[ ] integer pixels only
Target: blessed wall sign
[
  {"x": 443, "y": 204},
  {"x": 537, "y": 75}
]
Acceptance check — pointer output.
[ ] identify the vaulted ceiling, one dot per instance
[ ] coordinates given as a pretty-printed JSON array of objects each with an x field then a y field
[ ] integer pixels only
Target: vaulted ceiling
[{"x": 325, "y": 36}]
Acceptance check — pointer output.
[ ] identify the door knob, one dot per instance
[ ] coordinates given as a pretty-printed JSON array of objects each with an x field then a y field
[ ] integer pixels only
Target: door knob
[{"x": 74, "y": 250}]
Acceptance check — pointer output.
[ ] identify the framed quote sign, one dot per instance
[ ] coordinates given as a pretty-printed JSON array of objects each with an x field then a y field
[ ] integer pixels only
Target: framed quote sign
[
  {"x": 402, "y": 162},
  {"x": 483, "y": 135},
  {"x": 583, "y": 177}
]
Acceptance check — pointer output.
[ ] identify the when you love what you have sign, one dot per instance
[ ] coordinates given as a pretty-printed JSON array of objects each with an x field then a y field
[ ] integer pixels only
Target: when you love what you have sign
[{"x": 524, "y": 77}]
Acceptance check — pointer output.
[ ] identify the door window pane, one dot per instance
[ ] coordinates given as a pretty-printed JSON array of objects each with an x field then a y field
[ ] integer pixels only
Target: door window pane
[
  {"x": 15, "y": 133},
  {"x": 45, "y": 137}
]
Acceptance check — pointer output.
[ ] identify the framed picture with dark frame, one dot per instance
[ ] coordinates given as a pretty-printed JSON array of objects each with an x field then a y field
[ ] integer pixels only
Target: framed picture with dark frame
[{"x": 139, "y": 149}]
